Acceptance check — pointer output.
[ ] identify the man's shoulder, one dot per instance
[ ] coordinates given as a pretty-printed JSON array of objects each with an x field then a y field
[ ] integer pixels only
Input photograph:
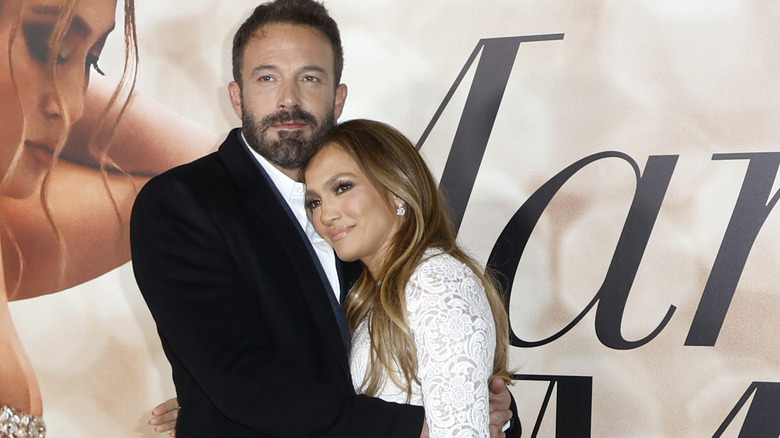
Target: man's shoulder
[
  {"x": 192, "y": 175},
  {"x": 207, "y": 169}
]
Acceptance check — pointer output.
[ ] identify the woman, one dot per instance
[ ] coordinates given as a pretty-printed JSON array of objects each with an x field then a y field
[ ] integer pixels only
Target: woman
[
  {"x": 428, "y": 327},
  {"x": 65, "y": 196}
]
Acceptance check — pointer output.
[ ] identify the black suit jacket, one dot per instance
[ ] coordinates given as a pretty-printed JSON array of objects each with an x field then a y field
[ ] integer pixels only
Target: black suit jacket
[{"x": 242, "y": 312}]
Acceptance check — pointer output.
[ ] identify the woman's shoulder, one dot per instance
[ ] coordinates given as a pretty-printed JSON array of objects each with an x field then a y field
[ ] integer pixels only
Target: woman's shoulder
[
  {"x": 439, "y": 270},
  {"x": 444, "y": 287},
  {"x": 438, "y": 259}
]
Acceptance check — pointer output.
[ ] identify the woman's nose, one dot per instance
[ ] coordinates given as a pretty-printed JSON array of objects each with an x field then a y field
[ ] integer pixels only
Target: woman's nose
[
  {"x": 328, "y": 213},
  {"x": 65, "y": 100}
]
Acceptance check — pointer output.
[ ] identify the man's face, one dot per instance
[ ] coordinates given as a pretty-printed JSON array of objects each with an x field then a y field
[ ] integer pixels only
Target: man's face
[{"x": 288, "y": 100}]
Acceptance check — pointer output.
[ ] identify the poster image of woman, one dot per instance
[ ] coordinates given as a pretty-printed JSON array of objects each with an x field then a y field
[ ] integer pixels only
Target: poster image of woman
[{"x": 75, "y": 148}]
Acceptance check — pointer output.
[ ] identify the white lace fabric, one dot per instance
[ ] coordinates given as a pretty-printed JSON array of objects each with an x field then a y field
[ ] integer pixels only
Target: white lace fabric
[{"x": 454, "y": 332}]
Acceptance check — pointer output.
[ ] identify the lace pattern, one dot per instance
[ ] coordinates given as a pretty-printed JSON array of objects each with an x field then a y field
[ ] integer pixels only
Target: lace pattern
[
  {"x": 454, "y": 332},
  {"x": 15, "y": 424}
]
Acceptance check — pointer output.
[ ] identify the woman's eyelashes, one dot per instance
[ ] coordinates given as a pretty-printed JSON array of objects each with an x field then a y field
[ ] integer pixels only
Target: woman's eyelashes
[
  {"x": 342, "y": 186},
  {"x": 38, "y": 39},
  {"x": 312, "y": 203},
  {"x": 339, "y": 187},
  {"x": 92, "y": 61}
]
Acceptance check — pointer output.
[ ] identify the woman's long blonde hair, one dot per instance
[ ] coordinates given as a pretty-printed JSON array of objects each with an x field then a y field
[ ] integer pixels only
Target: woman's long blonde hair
[
  {"x": 393, "y": 165},
  {"x": 100, "y": 138}
]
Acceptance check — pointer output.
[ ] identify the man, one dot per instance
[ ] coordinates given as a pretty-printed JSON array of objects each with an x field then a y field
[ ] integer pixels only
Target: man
[{"x": 244, "y": 293}]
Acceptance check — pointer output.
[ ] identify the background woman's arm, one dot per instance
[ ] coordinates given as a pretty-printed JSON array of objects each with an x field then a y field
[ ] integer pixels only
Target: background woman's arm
[
  {"x": 149, "y": 139},
  {"x": 91, "y": 208}
]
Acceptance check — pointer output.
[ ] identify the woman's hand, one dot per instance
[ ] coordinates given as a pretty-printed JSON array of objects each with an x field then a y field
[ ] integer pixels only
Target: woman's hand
[{"x": 165, "y": 415}]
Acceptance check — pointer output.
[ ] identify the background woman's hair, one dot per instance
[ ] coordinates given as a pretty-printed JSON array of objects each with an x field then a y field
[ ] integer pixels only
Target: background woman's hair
[{"x": 394, "y": 166}]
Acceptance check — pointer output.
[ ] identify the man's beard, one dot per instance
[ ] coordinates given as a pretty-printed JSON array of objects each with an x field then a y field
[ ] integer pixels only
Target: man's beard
[{"x": 293, "y": 148}]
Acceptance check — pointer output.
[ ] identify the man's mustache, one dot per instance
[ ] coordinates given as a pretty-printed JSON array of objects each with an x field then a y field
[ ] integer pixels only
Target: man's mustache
[{"x": 294, "y": 115}]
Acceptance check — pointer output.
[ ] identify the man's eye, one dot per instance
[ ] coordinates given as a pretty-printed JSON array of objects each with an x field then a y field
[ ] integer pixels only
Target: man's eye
[{"x": 311, "y": 79}]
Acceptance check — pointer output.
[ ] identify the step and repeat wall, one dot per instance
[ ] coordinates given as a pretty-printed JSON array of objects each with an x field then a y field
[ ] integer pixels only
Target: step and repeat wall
[{"x": 615, "y": 162}]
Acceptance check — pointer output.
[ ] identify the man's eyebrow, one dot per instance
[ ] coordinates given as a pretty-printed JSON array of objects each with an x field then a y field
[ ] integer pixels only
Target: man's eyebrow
[
  {"x": 316, "y": 68},
  {"x": 264, "y": 67},
  {"x": 309, "y": 68}
]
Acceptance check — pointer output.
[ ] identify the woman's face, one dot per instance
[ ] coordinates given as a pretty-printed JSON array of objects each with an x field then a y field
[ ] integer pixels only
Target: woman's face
[
  {"x": 347, "y": 210},
  {"x": 34, "y": 99}
]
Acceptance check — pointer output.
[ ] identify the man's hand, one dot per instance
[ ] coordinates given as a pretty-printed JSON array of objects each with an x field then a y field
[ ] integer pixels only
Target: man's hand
[
  {"x": 500, "y": 399},
  {"x": 164, "y": 416}
]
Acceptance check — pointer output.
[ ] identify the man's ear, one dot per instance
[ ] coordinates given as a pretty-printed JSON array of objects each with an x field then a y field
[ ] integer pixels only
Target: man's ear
[
  {"x": 235, "y": 99},
  {"x": 338, "y": 103}
]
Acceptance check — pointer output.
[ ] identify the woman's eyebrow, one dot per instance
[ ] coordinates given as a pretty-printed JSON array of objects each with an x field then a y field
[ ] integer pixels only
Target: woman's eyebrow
[{"x": 77, "y": 25}]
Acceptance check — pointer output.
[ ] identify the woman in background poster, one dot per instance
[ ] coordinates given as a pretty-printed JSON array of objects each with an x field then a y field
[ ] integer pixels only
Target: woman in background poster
[{"x": 65, "y": 196}]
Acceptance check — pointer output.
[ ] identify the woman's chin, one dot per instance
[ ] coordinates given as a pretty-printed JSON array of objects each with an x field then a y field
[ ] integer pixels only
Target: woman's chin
[
  {"x": 346, "y": 257},
  {"x": 26, "y": 178},
  {"x": 21, "y": 185}
]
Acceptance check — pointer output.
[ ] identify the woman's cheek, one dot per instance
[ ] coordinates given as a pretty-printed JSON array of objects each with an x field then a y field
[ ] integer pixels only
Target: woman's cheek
[{"x": 11, "y": 118}]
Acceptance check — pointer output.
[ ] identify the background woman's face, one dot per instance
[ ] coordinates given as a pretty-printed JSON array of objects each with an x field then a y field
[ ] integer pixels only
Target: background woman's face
[{"x": 33, "y": 61}]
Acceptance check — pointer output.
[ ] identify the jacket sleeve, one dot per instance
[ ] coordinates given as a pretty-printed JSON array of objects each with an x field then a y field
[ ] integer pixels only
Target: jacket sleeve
[{"x": 209, "y": 322}]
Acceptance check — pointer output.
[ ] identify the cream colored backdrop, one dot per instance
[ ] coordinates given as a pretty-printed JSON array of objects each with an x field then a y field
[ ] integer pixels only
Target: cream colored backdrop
[{"x": 644, "y": 78}]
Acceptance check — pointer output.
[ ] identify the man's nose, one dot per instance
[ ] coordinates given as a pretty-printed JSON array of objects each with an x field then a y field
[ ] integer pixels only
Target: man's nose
[{"x": 289, "y": 96}]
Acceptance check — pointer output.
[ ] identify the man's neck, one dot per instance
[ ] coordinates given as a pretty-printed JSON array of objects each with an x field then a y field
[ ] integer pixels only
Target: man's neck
[{"x": 292, "y": 173}]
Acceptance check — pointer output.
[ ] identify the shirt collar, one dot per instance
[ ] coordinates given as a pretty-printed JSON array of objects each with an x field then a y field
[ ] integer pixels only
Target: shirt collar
[
  {"x": 287, "y": 186},
  {"x": 289, "y": 189}
]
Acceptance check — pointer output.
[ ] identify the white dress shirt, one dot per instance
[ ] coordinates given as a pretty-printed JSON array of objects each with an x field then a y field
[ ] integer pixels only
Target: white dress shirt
[{"x": 294, "y": 193}]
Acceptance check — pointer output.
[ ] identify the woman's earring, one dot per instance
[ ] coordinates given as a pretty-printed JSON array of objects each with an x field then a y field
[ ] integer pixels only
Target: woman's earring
[{"x": 401, "y": 209}]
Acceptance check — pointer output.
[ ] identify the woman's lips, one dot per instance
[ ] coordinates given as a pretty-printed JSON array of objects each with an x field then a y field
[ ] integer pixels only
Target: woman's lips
[
  {"x": 339, "y": 233},
  {"x": 40, "y": 151}
]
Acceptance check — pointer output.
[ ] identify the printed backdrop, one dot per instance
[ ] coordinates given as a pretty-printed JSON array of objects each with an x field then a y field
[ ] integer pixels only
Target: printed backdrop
[{"x": 643, "y": 280}]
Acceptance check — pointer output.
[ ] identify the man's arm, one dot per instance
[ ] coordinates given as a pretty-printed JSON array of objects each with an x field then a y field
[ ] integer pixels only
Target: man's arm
[{"x": 502, "y": 411}]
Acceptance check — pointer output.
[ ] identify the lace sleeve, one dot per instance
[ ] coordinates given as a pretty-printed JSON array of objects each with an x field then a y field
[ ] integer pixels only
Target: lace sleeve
[{"x": 454, "y": 332}]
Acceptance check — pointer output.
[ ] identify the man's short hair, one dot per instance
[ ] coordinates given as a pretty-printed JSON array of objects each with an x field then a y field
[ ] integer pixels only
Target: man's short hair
[{"x": 295, "y": 12}]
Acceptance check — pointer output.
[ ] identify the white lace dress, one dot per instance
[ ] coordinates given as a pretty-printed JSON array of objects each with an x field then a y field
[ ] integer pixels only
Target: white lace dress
[{"x": 454, "y": 332}]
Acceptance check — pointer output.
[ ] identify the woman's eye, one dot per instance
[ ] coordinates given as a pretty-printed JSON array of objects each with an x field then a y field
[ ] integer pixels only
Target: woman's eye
[
  {"x": 37, "y": 37},
  {"x": 311, "y": 204},
  {"x": 343, "y": 187}
]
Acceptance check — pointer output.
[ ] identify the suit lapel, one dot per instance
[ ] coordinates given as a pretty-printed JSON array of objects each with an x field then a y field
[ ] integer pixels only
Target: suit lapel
[{"x": 264, "y": 204}]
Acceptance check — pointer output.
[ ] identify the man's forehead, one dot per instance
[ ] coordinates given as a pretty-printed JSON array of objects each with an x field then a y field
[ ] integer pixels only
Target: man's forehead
[
  {"x": 283, "y": 41},
  {"x": 292, "y": 32}
]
